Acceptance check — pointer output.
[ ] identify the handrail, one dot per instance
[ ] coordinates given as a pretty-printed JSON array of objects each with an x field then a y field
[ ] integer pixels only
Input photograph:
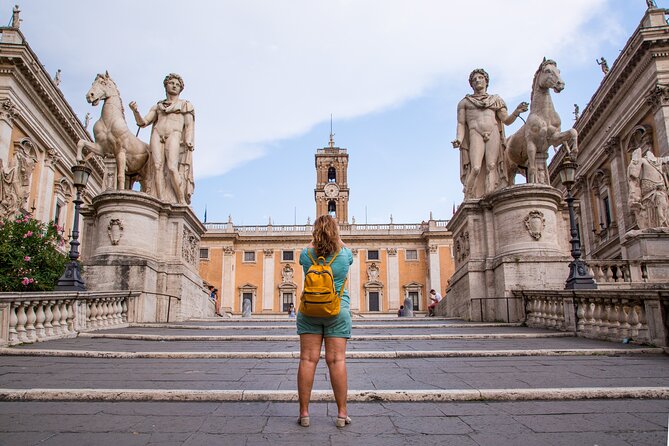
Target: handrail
[{"x": 169, "y": 301}]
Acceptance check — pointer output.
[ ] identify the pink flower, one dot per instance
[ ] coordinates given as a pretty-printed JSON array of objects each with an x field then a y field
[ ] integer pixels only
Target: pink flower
[
  {"x": 26, "y": 258},
  {"x": 27, "y": 234},
  {"x": 27, "y": 281}
]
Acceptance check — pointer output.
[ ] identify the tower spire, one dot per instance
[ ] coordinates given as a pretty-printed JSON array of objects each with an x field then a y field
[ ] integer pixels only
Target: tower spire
[{"x": 331, "y": 134}]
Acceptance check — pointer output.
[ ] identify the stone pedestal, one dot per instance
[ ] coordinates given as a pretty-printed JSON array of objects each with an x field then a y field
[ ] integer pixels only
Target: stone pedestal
[
  {"x": 134, "y": 241},
  {"x": 649, "y": 248},
  {"x": 514, "y": 238}
]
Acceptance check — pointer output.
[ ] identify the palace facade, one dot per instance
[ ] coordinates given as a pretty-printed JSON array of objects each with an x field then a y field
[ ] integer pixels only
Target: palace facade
[{"x": 391, "y": 262}]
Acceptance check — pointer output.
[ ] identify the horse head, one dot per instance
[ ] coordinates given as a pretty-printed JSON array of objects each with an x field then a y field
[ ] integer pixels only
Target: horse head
[
  {"x": 103, "y": 87},
  {"x": 548, "y": 76}
]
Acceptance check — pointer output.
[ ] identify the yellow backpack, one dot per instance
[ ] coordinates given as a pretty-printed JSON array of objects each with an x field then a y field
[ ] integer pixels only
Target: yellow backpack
[{"x": 319, "y": 297}]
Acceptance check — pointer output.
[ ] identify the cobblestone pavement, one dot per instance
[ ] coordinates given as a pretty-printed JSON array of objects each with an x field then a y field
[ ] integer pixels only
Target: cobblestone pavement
[{"x": 501, "y": 422}]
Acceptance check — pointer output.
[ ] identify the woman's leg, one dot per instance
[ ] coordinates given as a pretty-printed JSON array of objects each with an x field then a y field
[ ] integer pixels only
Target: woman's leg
[
  {"x": 310, "y": 352},
  {"x": 335, "y": 357}
]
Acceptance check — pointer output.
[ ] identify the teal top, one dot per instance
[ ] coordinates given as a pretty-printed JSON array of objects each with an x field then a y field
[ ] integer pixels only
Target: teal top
[{"x": 339, "y": 267}]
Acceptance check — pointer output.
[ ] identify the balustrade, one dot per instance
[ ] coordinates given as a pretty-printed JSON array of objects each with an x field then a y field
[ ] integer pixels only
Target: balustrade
[{"x": 33, "y": 319}]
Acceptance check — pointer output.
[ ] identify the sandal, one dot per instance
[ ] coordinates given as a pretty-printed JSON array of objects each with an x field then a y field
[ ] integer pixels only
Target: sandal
[
  {"x": 303, "y": 421},
  {"x": 342, "y": 421}
]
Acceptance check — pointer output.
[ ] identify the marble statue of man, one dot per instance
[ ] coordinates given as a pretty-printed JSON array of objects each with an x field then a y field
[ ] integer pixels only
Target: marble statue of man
[
  {"x": 172, "y": 140},
  {"x": 480, "y": 137},
  {"x": 648, "y": 180}
]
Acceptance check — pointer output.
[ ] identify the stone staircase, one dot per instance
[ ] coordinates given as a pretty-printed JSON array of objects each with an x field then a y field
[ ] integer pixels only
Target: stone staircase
[{"x": 411, "y": 381}]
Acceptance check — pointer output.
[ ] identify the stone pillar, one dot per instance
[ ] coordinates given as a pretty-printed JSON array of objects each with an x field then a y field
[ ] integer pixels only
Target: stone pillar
[
  {"x": 514, "y": 238},
  {"x": 354, "y": 281},
  {"x": 393, "y": 280},
  {"x": 8, "y": 113},
  {"x": 268, "y": 281},
  {"x": 45, "y": 197},
  {"x": 435, "y": 269},
  {"x": 228, "y": 274},
  {"x": 134, "y": 241}
]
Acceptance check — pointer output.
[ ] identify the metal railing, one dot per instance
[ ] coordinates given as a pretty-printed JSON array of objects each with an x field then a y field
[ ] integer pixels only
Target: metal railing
[{"x": 506, "y": 299}]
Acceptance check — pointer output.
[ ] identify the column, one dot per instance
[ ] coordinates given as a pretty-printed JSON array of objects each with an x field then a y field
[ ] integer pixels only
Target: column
[
  {"x": 354, "y": 281},
  {"x": 268, "y": 280},
  {"x": 393, "y": 280},
  {"x": 45, "y": 192},
  {"x": 8, "y": 113},
  {"x": 435, "y": 269},
  {"x": 228, "y": 275}
]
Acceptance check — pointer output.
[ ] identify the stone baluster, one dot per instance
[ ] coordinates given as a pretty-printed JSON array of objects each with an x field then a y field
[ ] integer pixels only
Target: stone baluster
[
  {"x": 98, "y": 313},
  {"x": 63, "y": 318},
  {"x": 31, "y": 317},
  {"x": 614, "y": 320},
  {"x": 57, "y": 329},
  {"x": 552, "y": 313},
  {"x": 105, "y": 312},
  {"x": 93, "y": 304},
  {"x": 589, "y": 320},
  {"x": 580, "y": 314},
  {"x": 596, "y": 317},
  {"x": 635, "y": 324},
  {"x": 643, "y": 323},
  {"x": 13, "y": 322},
  {"x": 39, "y": 323},
  {"x": 625, "y": 270},
  {"x": 69, "y": 304},
  {"x": 624, "y": 319},
  {"x": 48, "y": 318},
  {"x": 124, "y": 310},
  {"x": 606, "y": 318},
  {"x": 561, "y": 315},
  {"x": 21, "y": 324},
  {"x": 118, "y": 318}
]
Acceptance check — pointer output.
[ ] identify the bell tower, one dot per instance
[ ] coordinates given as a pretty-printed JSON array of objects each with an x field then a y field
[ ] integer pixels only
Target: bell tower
[{"x": 331, "y": 192}]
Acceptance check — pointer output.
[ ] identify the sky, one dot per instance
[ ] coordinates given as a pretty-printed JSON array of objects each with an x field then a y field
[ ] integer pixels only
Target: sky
[{"x": 265, "y": 76}]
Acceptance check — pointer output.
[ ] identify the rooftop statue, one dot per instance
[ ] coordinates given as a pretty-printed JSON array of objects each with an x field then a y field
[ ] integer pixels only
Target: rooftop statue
[
  {"x": 480, "y": 137},
  {"x": 648, "y": 181},
  {"x": 541, "y": 130},
  {"x": 172, "y": 141},
  {"x": 113, "y": 138}
]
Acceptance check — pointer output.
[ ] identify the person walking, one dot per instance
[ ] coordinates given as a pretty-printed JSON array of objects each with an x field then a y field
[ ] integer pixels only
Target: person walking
[{"x": 334, "y": 331}]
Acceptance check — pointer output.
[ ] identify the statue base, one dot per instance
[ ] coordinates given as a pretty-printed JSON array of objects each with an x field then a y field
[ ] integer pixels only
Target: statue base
[
  {"x": 133, "y": 241},
  {"x": 649, "y": 248},
  {"x": 513, "y": 238}
]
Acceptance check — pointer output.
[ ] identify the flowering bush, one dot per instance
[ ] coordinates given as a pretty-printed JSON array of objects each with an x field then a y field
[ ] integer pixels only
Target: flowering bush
[{"x": 29, "y": 255}]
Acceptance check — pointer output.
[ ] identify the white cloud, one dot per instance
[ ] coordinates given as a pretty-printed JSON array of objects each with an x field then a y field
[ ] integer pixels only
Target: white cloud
[{"x": 260, "y": 71}]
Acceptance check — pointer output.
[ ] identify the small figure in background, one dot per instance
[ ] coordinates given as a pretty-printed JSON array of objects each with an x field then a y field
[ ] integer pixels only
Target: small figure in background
[
  {"x": 16, "y": 20},
  {"x": 400, "y": 312},
  {"x": 56, "y": 79},
  {"x": 651, "y": 4},
  {"x": 603, "y": 64},
  {"x": 87, "y": 120},
  {"x": 577, "y": 112},
  {"x": 435, "y": 298},
  {"x": 291, "y": 310}
]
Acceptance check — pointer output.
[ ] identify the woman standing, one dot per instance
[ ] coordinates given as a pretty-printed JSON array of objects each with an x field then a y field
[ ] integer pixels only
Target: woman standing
[{"x": 334, "y": 330}]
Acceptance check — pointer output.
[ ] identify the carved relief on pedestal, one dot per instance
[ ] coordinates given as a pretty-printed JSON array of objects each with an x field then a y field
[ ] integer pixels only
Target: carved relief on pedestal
[
  {"x": 268, "y": 252},
  {"x": 434, "y": 248},
  {"x": 461, "y": 247},
  {"x": 535, "y": 224},
  {"x": 392, "y": 251},
  {"x": 189, "y": 246},
  {"x": 115, "y": 230},
  {"x": 228, "y": 250}
]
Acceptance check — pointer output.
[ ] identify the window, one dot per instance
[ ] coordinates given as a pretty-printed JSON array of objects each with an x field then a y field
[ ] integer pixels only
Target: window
[
  {"x": 56, "y": 217},
  {"x": 332, "y": 208},
  {"x": 288, "y": 256},
  {"x": 607, "y": 210},
  {"x": 412, "y": 254},
  {"x": 413, "y": 295},
  {"x": 332, "y": 175},
  {"x": 373, "y": 254},
  {"x": 288, "y": 298},
  {"x": 373, "y": 301},
  {"x": 204, "y": 253},
  {"x": 249, "y": 256}
]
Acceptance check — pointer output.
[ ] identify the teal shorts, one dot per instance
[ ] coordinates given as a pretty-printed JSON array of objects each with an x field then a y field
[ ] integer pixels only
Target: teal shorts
[{"x": 329, "y": 327}]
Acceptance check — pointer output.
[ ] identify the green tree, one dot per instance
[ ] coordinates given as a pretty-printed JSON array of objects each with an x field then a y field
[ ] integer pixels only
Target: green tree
[{"x": 29, "y": 255}]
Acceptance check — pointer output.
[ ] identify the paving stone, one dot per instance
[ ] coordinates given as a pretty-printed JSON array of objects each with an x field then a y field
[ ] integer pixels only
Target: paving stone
[{"x": 442, "y": 425}]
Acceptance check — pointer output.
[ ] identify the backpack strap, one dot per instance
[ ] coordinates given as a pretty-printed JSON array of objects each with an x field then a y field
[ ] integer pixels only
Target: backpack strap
[
  {"x": 313, "y": 262},
  {"x": 333, "y": 258},
  {"x": 341, "y": 291}
]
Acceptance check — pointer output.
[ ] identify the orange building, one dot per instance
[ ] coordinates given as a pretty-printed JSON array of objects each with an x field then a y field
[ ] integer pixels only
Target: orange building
[{"x": 391, "y": 262}]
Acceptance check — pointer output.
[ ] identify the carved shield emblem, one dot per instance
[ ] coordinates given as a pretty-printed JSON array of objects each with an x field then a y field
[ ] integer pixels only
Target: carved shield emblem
[{"x": 535, "y": 224}]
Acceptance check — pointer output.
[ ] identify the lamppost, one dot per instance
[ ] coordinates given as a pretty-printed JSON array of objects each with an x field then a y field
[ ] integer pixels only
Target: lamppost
[
  {"x": 71, "y": 279},
  {"x": 579, "y": 278}
]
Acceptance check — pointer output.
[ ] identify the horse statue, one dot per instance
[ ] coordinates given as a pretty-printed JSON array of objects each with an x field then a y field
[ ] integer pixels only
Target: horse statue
[
  {"x": 113, "y": 138},
  {"x": 528, "y": 147}
]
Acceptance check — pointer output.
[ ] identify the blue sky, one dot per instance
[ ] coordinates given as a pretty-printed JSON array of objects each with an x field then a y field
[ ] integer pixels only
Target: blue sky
[{"x": 265, "y": 76}]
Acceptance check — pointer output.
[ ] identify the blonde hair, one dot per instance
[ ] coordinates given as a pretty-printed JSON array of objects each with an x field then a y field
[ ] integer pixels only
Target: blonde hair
[{"x": 326, "y": 236}]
